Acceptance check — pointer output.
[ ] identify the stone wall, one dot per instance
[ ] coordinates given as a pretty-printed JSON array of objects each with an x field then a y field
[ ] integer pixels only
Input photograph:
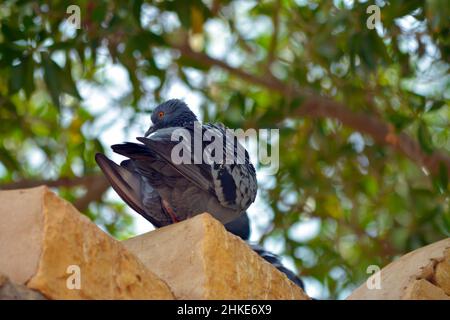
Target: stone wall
[{"x": 48, "y": 248}]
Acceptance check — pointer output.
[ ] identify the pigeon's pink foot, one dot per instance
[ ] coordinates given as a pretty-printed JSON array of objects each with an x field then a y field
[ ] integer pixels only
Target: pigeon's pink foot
[{"x": 170, "y": 211}]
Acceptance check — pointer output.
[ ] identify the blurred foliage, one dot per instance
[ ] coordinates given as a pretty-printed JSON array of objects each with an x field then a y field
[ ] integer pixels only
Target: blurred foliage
[{"x": 370, "y": 203}]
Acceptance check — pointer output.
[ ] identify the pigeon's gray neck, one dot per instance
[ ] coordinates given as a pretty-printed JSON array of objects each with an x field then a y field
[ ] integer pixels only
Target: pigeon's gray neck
[{"x": 185, "y": 121}]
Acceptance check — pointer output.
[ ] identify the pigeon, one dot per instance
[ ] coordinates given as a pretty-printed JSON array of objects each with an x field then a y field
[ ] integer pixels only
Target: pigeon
[
  {"x": 154, "y": 183},
  {"x": 241, "y": 228}
]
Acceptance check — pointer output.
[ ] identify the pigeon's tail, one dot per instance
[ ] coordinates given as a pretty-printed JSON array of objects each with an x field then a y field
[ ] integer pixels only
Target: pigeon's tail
[
  {"x": 240, "y": 226},
  {"x": 276, "y": 262},
  {"x": 123, "y": 181},
  {"x": 133, "y": 150}
]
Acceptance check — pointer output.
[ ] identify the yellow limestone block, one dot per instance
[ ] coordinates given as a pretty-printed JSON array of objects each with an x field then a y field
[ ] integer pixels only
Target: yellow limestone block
[
  {"x": 48, "y": 245},
  {"x": 442, "y": 273},
  {"x": 424, "y": 290},
  {"x": 199, "y": 259},
  {"x": 421, "y": 274}
]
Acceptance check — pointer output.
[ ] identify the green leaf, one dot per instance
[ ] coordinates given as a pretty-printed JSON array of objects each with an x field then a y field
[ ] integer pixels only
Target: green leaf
[
  {"x": 400, "y": 121},
  {"x": 99, "y": 12},
  {"x": 63, "y": 45},
  {"x": 17, "y": 78},
  {"x": 11, "y": 33},
  {"x": 51, "y": 78},
  {"x": 436, "y": 105},
  {"x": 144, "y": 40},
  {"x": 296, "y": 103},
  {"x": 443, "y": 176},
  {"x": 370, "y": 186},
  {"x": 8, "y": 160},
  {"x": 28, "y": 75},
  {"x": 188, "y": 62},
  {"x": 424, "y": 137},
  {"x": 182, "y": 8},
  {"x": 136, "y": 9},
  {"x": 58, "y": 80},
  {"x": 67, "y": 84},
  {"x": 22, "y": 77},
  {"x": 417, "y": 102}
]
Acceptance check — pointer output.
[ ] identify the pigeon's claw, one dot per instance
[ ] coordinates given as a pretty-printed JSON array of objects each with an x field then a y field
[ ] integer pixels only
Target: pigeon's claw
[{"x": 168, "y": 209}]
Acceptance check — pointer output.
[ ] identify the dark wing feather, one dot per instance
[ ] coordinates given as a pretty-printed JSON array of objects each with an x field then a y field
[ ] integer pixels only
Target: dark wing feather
[
  {"x": 276, "y": 262},
  {"x": 122, "y": 181},
  {"x": 233, "y": 184},
  {"x": 133, "y": 150},
  {"x": 128, "y": 186},
  {"x": 161, "y": 144}
]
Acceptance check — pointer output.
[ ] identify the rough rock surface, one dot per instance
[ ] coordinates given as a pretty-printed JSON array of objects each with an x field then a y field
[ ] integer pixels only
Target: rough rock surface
[
  {"x": 422, "y": 289},
  {"x": 42, "y": 236},
  {"x": 12, "y": 291},
  {"x": 421, "y": 274},
  {"x": 199, "y": 259}
]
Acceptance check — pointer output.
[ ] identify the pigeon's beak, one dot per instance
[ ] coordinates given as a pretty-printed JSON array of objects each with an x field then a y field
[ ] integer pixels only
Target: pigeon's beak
[{"x": 150, "y": 130}]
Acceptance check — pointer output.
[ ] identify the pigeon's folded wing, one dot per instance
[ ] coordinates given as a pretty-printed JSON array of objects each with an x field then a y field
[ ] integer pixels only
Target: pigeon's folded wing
[
  {"x": 232, "y": 182},
  {"x": 139, "y": 195},
  {"x": 162, "y": 145}
]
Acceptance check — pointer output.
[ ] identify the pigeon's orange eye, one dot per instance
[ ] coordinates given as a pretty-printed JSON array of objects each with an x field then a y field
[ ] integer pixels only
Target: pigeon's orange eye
[{"x": 161, "y": 114}]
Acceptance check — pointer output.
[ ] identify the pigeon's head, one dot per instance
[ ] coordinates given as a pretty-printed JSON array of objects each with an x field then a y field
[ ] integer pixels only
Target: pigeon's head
[{"x": 172, "y": 113}]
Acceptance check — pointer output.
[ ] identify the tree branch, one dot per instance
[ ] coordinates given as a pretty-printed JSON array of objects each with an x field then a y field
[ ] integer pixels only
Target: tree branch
[
  {"x": 380, "y": 131},
  {"x": 274, "y": 39},
  {"x": 61, "y": 182},
  {"x": 95, "y": 185},
  {"x": 206, "y": 60},
  {"x": 321, "y": 107},
  {"x": 94, "y": 192}
]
